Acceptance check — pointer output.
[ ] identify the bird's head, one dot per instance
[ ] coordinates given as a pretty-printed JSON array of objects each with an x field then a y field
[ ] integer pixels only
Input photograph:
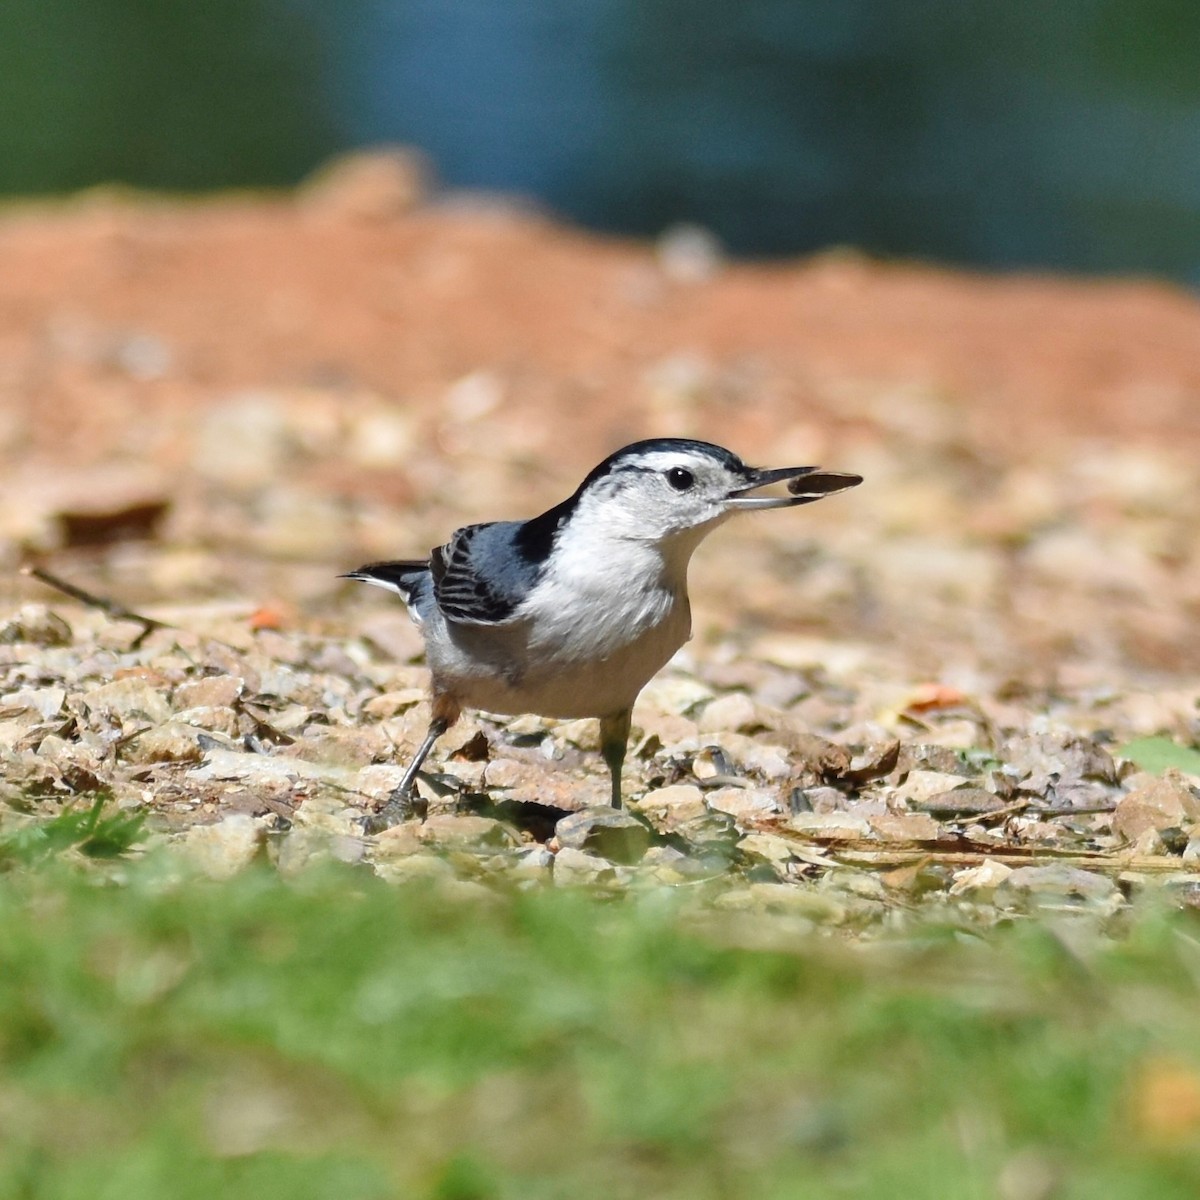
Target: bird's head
[{"x": 663, "y": 488}]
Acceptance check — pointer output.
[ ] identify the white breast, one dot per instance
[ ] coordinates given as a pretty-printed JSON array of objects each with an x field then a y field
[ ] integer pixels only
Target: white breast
[{"x": 595, "y": 629}]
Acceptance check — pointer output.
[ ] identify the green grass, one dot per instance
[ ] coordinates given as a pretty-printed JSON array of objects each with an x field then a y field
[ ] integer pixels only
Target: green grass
[
  {"x": 1158, "y": 754},
  {"x": 336, "y": 1037}
]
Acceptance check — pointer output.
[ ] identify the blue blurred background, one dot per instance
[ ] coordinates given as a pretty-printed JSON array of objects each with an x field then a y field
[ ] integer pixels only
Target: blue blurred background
[{"x": 1046, "y": 133}]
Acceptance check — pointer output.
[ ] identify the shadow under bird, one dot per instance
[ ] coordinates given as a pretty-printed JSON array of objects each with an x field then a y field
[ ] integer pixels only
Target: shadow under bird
[{"x": 571, "y": 613}]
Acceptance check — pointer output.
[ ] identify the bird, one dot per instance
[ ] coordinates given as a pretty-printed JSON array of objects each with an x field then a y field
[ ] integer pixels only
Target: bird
[{"x": 571, "y": 613}]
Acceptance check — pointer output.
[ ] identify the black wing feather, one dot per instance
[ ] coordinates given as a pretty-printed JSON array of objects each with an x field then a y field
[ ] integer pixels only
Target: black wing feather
[{"x": 461, "y": 592}]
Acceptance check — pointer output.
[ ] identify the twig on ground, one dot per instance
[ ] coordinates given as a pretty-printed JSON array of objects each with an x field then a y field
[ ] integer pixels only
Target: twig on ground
[{"x": 112, "y": 608}]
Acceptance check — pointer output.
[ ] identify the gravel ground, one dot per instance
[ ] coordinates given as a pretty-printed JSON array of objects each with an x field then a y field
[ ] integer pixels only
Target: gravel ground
[{"x": 968, "y": 687}]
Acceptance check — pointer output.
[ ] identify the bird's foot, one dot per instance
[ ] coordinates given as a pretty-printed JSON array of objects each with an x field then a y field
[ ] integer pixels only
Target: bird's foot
[{"x": 401, "y": 806}]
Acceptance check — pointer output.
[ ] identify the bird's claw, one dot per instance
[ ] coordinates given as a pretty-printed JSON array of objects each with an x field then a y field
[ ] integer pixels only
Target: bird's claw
[{"x": 401, "y": 806}]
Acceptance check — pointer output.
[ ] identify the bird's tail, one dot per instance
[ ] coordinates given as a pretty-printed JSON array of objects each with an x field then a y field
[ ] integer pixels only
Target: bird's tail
[{"x": 404, "y": 578}]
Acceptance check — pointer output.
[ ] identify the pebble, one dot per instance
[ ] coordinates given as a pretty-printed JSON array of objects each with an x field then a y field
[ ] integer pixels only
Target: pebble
[
  {"x": 574, "y": 867},
  {"x": 234, "y": 764},
  {"x": 904, "y": 827},
  {"x": 469, "y": 832},
  {"x": 980, "y": 882},
  {"x": 801, "y": 900},
  {"x": 214, "y": 718},
  {"x": 767, "y": 847},
  {"x": 224, "y": 848},
  {"x": 605, "y": 831},
  {"x": 173, "y": 741},
  {"x": 535, "y": 862},
  {"x": 671, "y": 866},
  {"x": 670, "y": 808},
  {"x": 1156, "y": 804},
  {"x": 131, "y": 697},
  {"x": 921, "y": 786},
  {"x": 843, "y": 826},
  {"x": 46, "y": 702},
  {"x": 37, "y": 625},
  {"x": 397, "y": 841},
  {"x": 735, "y": 711},
  {"x": 210, "y": 691},
  {"x": 1057, "y": 885},
  {"x": 744, "y": 804},
  {"x": 960, "y": 802}
]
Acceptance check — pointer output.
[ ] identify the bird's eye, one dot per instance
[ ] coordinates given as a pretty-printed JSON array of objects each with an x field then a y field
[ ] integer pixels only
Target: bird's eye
[{"x": 680, "y": 479}]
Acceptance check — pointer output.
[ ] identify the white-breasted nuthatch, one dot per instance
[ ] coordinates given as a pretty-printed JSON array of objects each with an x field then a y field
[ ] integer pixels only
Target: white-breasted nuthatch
[{"x": 571, "y": 613}]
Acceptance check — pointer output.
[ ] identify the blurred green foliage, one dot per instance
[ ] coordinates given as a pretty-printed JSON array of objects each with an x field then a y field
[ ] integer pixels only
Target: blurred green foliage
[
  {"x": 1062, "y": 135},
  {"x": 334, "y": 1036},
  {"x": 159, "y": 93}
]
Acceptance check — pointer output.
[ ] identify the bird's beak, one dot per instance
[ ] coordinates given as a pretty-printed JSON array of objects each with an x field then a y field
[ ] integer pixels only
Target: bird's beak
[{"x": 804, "y": 485}]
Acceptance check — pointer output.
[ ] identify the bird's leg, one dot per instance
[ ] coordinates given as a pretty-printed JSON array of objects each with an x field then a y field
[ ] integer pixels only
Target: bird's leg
[
  {"x": 400, "y": 803},
  {"x": 614, "y": 737}
]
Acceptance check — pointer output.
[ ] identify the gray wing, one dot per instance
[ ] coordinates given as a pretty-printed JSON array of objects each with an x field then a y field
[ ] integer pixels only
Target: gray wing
[{"x": 480, "y": 576}]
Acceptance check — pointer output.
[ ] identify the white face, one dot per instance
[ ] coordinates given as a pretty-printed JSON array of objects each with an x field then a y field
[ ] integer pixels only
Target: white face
[
  {"x": 668, "y": 491},
  {"x": 677, "y": 490},
  {"x": 660, "y": 493}
]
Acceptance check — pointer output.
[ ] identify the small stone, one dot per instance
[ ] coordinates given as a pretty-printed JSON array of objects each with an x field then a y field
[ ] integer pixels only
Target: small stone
[
  {"x": 735, "y": 711},
  {"x": 299, "y": 849},
  {"x": 980, "y": 882},
  {"x": 130, "y": 697},
  {"x": 379, "y": 781},
  {"x": 922, "y": 785},
  {"x": 330, "y": 816},
  {"x": 171, "y": 742},
  {"x": 831, "y": 825},
  {"x": 468, "y": 832},
  {"x": 391, "y": 703},
  {"x": 1158, "y": 804},
  {"x": 583, "y": 734},
  {"x": 673, "y": 695},
  {"x": 817, "y": 800},
  {"x": 904, "y": 827},
  {"x": 260, "y": 769},
  {"x": 46, "y": 702},
  {"x": 214, "y": 718},
  {"x": 671, "y": 807},
  {"x": 818, "y": 759},
  {"x": 13, "y": 732},
  {"x": 210, "y": 691},
  {"x": 605, "y": 831},
  {"x": 573, "y": 866},
  {"x": 398, "y": 841},
  {"x": 1058, "y": 885},
  {"x": 802, "y": 901},
  {"x": 37, "y": 625},
  {"x": 873, "y": 763},
  {"x": 744, "y": 804},
  {"x": 223, "y": 849},
  {"x": 755, "y": 758},
  {"x": 960, "y": 802},
  {"x": 533, "y": 863},
  {"x": 350, "y": 746},
  {"x": 767, "y": 847},
  {"x": 529, "y": 782},
  {"x": 711, "y": 762},
  {"x": 852, "y": 882},
  {"x": 425, "y": 868}
]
